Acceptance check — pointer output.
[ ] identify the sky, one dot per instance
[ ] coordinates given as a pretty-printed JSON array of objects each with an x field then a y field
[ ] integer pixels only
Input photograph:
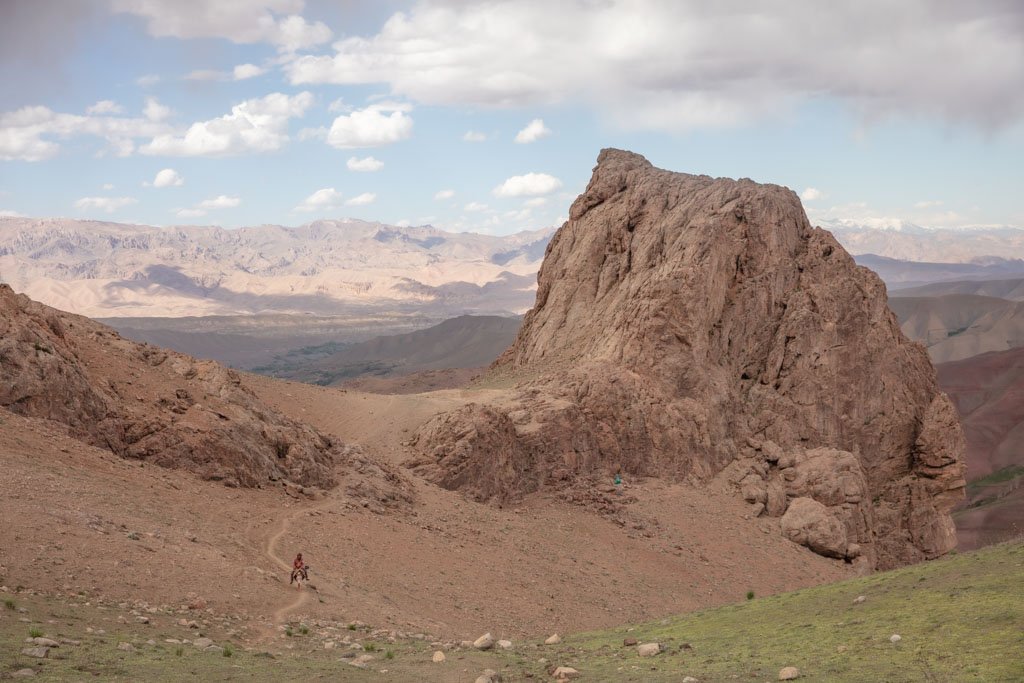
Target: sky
[{"x": 488, "y": 116}]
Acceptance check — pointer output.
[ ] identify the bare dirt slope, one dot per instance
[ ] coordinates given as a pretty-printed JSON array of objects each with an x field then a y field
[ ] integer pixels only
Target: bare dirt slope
[
  {"x": 988, "y": 391},
  {"x": 444, "y": 565}
]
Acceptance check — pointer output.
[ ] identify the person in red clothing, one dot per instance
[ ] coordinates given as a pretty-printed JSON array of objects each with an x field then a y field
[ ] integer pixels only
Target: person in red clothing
[{"x": 299, "y": 569}]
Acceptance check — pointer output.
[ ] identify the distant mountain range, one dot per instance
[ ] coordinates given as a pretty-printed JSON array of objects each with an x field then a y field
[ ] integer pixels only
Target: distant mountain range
[
  {"x": 345, "y": 267},
  {"x": 907, "y": 242},
  {"x": 333, "y": 267},
  {"x": 903, "y": 274}
]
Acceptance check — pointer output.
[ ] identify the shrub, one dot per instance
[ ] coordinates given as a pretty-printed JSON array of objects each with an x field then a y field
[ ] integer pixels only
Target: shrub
[
  {"x": 35, "y": 632},
  {"x": 389, "y": 655},
  {"x": 750, "y": 595},
  {"x": 179, "y": 651},
  {"x": 370, "y": 647},
  {"x": 228, "y": 651},
  {"x": 304, "y": 630},
  {"x": 288, "y": 632},
  {"x": 9, "y": 604}
]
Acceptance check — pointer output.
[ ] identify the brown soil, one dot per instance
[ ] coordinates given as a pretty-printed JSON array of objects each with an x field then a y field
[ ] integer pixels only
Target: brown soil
[{"x": 443, "y": 564}]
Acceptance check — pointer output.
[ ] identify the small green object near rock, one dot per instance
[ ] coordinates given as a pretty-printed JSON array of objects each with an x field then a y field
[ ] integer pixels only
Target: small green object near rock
[{"x": 789, "y": 673}]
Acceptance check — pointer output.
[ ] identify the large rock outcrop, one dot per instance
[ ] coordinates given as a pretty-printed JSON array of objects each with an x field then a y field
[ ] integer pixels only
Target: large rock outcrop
[
  {"x": 688, "y": 327},
  {"x": 146, "y": 403}
]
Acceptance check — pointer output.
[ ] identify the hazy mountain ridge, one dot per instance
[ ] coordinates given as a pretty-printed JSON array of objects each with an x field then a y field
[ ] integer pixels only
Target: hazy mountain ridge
[
  {"x": 107, "y": 269},
  {"x": 935, "y": 245}
]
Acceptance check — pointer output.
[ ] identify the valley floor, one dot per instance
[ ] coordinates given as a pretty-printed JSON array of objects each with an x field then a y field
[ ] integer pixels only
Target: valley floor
[{"x": 79, "y": 519}]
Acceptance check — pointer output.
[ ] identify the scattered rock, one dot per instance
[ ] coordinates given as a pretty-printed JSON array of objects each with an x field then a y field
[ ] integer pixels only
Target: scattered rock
[
  {"x": 202, "y": 643},
  {"x": 789, "y": 673},
  {"x": 126, "y": 647},
  {"x": 629, "y": 642},
  {"x": 24, "y": 673},
  {"x": 505, "y": 644},
  {"x": 45, "y": 642},
  {"x": 489, "y": 676},
  {"x": 895, "y": 638},
  {"x": 40, "y": 652},
  {"x": 859, "y": 599},
  {"x": 553, "y": 640},
  {"x": 438, "y": 657},
  {"x": 362, "y": 661},
  {"x": 690, "y": 679},
  {"x": 330, "y": 645},
  {"x": 484, "y": 642},
  {"x": 565, "y": 673},
  {"x": 648, "y": 649}
]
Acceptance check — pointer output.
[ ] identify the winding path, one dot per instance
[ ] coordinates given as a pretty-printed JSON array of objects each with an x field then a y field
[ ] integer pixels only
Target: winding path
[{"x": 279, "y": 530}]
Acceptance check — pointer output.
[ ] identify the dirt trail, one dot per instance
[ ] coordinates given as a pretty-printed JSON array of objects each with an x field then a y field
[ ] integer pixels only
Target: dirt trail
[{"x": 277, "y": 531}]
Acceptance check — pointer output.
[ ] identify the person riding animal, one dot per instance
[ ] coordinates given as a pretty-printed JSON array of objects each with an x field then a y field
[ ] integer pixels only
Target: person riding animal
[{"x": 299, "y": 570}]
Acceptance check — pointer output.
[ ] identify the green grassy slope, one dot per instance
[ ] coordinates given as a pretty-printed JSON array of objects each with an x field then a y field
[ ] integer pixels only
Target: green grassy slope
[{"x": 960, "y": 619}]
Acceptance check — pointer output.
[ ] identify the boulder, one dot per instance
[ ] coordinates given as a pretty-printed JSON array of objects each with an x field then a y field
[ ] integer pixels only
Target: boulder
[
  {"x": 484, "y": 642},
  {"x": 789, "y": 673},
  {"x": 40, "y": 652},
  {"x": 438, "y": 657},
  {"x": 505, "y": 644},
  {"x": 553, "y": 640},
  {"x": 565, "y": 673},
  {"x": 810, "y": 524},
  {"x": 648, "y": 649}
]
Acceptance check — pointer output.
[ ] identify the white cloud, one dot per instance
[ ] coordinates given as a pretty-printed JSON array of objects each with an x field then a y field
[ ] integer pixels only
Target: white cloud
[
  {"x": 367, "y": 165},
  {"x": 444, "y": 194},
  {"x": 362, "y": 199},
  {"x": 107, "y": 204},
  {"x": 535, "y": 130},
  {"x": 27, "y": 134},
  {"x": 928, "y": 204},
  {"x": 475, "y": 206},
  {"x": 318, "y": 133},
  {"x": 7, "y": 213},
  {"x": 473, "y": 136},
  {"x": 403, "y": 223},
  {"x": 108, "y": 186},
  {"x": 154, "y": 111},
  {"x": 244, "y": 71},
  {"x": 241, "y": 21},
  {"x": 147, "y": 81},
  {"x": 190, "y": 213},
  {"x": 167, "y": 177},
  {"x": 527, "y": 185},
  {"x": 811, "y": 193},
  {"x": 105, "y": 107},
  {"x": 220, "y": 202},
  {"x": 370, "y": 127},
  {"x": 258, "y": 125},
  {"x": 663, "y": 64},
  {"x": 338, "y": 106},
  {"x": 322, "y": 200},
  {"x": 536, "y": 201}
]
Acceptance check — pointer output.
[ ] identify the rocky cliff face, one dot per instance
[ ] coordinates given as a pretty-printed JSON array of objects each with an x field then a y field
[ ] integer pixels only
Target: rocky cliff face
[
  {"x": 690, "y": 327},
  {"x": 146, "y": 403}
]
